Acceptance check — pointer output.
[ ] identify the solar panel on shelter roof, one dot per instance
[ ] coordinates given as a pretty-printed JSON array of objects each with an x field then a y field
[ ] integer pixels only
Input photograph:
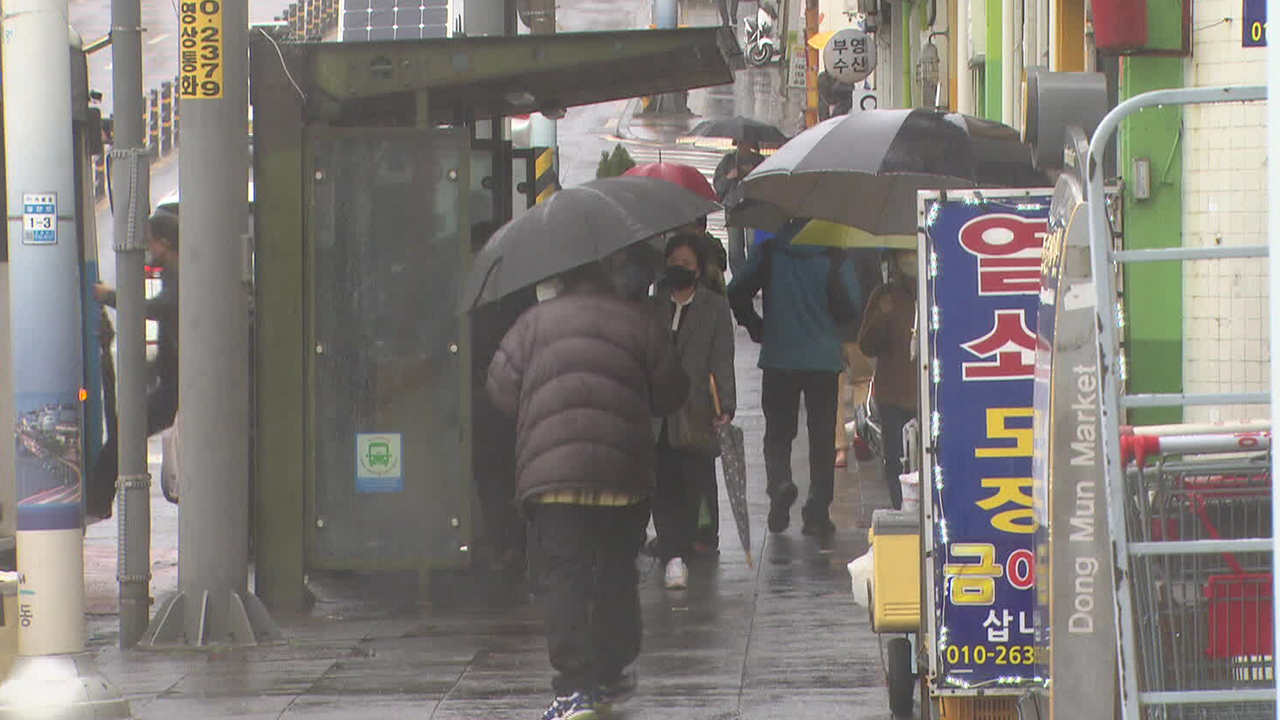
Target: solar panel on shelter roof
[{"x": 394, "y": 19}]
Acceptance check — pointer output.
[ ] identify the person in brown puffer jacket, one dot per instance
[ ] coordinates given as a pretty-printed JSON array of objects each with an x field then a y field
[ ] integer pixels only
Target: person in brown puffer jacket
[
  {"x": 886, "y": 335},
  {"x": 583, "y": 374}
]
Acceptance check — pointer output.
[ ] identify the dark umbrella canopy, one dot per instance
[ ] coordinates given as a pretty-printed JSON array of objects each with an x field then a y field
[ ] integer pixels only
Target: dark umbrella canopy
[
  {"x": 741, "y": 129},
  {"x": 864, "y": 169},
  {"x": 576, "y": 226}
]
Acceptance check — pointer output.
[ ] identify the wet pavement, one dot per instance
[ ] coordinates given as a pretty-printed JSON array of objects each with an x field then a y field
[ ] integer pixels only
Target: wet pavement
[{"x": 783, "y": 640}]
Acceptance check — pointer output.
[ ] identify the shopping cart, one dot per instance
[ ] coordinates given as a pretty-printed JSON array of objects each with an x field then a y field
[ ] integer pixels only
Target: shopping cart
[
  {"x": 1208, "y": 618},
  {"x": 1190, "y": 536}
]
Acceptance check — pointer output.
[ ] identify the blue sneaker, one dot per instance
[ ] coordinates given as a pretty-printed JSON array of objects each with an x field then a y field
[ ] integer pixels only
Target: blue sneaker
[
  {"x": 578, "y": 706},
  {"x": 616, "y": 692}
]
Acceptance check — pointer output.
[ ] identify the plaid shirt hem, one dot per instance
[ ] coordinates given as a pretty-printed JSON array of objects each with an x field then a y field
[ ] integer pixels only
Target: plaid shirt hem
[{"x": 593, "y": 498}]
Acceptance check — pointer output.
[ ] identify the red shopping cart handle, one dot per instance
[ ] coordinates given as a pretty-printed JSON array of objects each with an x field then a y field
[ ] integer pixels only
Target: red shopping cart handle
[{"x": 1138, "y": 447}]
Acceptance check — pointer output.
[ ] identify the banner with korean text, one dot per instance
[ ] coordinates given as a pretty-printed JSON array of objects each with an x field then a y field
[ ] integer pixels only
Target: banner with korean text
[{"x": 981, "y": 284}]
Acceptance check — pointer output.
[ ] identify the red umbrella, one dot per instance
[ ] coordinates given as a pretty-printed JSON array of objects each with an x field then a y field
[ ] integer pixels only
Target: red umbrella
[{"x": 686, "y": 176}]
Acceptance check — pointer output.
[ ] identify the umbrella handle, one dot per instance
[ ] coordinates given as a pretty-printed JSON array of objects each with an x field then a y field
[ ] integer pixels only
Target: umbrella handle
[{"x": 715, "y": 396}]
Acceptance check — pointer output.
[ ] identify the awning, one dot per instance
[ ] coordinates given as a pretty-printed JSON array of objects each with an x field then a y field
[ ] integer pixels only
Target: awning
[{"x": 515, "y": 75}]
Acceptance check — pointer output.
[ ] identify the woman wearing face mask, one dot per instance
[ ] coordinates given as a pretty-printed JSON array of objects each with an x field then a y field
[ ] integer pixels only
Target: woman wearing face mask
[
  {"x": 885, "y": 335},
  {"x": 702, "y": 328}
]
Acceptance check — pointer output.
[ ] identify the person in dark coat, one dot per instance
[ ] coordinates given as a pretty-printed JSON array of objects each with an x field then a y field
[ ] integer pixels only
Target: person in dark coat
[
  {"x": 162, "y": 247},
  {"x": 733, "y": 167},
  {"x": 583, "y": 373},
  {"x": 162, "y": 395},
  {"x": 717, "y": 260},
  {"x": 886, "y": 332},
  {"x": 493, "y": 454},
  {"x": 809, "y": 291},
  {"x": 835, "y": 97},
  {"x": 702, "y": 329}
]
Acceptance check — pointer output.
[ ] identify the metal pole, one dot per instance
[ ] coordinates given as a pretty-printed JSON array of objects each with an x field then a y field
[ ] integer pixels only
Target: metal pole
[
  {"x": 964, "y": 76},
  {"x": 666, "y": 14},
  {"x": 213, "y": 605},
  {"x": 131, "y": 190},
  {"x": 53, "y": 676},
  {"x": 1273, "y": 275},
  {"x": 1007, "y": 63}
]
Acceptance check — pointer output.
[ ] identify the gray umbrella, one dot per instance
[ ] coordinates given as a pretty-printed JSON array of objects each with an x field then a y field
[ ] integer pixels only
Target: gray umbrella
[
  {"x": 576, "y": 226},
  {"x": 864, "y": 169},
  {"x": 733, "y": 461}
]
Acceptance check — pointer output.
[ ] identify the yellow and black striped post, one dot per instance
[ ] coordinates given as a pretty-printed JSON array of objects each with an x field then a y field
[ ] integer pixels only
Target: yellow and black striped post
[
  {"x": 329, "y": 14},
  {"x": 177, "y": 105},
  {"x": 153, "y": 121},
  {"x": 166, "y": 117},
  {"x": 545, "y": 180},
  {"x": 313, "y": 21},
  {"x": 295, "y": 20}
]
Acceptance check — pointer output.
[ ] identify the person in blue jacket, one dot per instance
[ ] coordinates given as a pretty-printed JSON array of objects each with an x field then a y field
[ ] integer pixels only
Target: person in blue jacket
[{"x": 809, "y": 293}]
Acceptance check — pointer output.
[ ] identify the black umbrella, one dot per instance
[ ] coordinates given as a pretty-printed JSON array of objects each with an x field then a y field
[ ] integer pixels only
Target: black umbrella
[
  {"x": 741, "y": 129},
  {"x": 576, "y": 226},
  {"x": 864, "y": 169},
  {"x": 741, "y": 212}
]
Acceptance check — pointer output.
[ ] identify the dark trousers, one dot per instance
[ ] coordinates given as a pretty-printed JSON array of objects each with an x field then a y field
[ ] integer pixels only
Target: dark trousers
[
  {"x": 586, "y": 564},
  {"x": 738, "y": 249},
  {"x": 780, "y": 397},
  {"x": 162, "y": 407},
  {"x": 493, "y": 459},
  {"x": 892, "y": 420},
  {"x": 708, "y": 496},
  {"x": 683, "y": 477},
  {"x": 728, "y": 12}
]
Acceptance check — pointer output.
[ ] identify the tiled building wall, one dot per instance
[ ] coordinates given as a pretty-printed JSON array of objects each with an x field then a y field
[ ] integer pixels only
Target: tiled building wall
[{"x": 1225, "y": 346}]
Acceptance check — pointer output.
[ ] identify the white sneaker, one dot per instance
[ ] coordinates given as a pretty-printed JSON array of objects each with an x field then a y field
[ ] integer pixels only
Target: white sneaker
[{"x": 677, "y": 575}]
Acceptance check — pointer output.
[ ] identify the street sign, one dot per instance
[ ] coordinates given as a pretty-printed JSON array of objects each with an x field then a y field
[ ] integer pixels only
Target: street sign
[
  {"x": 849, "y": 55},
  {"x": 1254, "y": 27},
  {"x": 200, "y": 52},
  {"x": 40, "y": 218},
  {"x": 981, "y": 295},
  {"x": 798, "y": 66},
  {"x": 864, "y": 100},
  {"x": 378, "y": 463},
  {"x": 1075, "y": 618}
]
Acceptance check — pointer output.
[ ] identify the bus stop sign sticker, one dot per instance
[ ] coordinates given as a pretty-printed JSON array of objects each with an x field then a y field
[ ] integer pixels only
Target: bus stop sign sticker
[
  {"x": 378, "y": 467},
  {"x": 40, "y": 219}
]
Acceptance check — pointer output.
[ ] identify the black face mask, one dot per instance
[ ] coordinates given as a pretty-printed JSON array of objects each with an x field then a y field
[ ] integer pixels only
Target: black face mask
[{"x": 680, "y": 277}]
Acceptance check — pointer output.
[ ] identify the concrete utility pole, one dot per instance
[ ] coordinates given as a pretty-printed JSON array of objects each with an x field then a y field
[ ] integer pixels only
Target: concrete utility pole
[
  {"x": 53, "y": 676},
  {"x": 542, "y": 129},
  {"x": 131, "y": 190},
  {"x": 213, "y": 604}
]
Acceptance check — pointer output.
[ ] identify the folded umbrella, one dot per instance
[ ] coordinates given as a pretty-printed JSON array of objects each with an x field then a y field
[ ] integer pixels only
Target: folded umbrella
[
  {"x": 864, "y": 169},
  {"x": 733, "y": 461},
  {"x": 576, "y": 226}
]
